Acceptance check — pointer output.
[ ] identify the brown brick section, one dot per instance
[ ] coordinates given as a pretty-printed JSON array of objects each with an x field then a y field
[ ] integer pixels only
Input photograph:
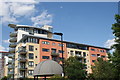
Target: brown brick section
[
  {"x": 97, "y": 51},
  {"x": 50, "y": 46}
]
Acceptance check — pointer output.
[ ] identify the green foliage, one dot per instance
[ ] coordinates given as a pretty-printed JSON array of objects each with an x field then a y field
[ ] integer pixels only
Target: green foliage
[
  {"x": 102, "y": 70},
  {"x": 74, "y": 69},
  {"x": 116, "y": 53},
  {"x": 4, "y": 78}
]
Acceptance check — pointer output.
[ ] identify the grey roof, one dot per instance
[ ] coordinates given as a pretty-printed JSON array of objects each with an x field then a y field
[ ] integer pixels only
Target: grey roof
[
  {"x": 26, "y": 35},
  {"x": 47, "y": 68}
]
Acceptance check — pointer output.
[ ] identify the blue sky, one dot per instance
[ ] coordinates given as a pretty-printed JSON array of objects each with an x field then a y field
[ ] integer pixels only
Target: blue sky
[{"x": 82, "y": 22}]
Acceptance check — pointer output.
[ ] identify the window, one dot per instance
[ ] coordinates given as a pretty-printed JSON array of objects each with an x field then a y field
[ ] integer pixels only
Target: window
[
  {"x": 98, "y": 54},
  {"x": 103, "y": 56},
  {"x": 84, "y": 60},
  {"x": 31, "y": 32},
  {"x": 33, "y": 40},
  {"x": 61, "y": 58},
  {"x": 54, "y": 58},
  {"x": 93, "y": 55},
  {"x": 60, "y": 51},
  {"x": 45, "y": 50},
  {"x": 53, "y": 50},
  {"x": 45, "y": 42},
  {"x": 30, "y": 72},
  {"x": 31, "y": 56},
  {"x": 78, "y": 52},
  {"x": 92, "y": 49},
  {"x": 31, "y": 64},
  {"x": 93, "y": 60},
  {"x": 71, "y": 53},
  {"x": 31, "y": 48},
  {"x": 45, "y": 57},
  {"x": 101, "y": 50},
  {"x": 60, "y": 45},
  {"x": 84, "y": 54},
  {"x": 53, "y": 43}
]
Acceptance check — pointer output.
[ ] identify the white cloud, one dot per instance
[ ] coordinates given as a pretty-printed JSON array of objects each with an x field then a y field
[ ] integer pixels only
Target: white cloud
[
  {"x": 43, "y": 19},
  {"x": 10, "y": 10},
  {"x": 6, "y": 41},
  {"x": 109, "y": 43}
]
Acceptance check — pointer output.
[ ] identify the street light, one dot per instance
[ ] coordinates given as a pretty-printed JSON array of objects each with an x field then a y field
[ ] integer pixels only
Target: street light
[{"x": 61, "y": 35}]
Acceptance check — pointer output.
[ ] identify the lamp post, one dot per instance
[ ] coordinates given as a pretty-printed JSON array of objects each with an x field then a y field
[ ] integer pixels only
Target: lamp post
[{"x": 61, "y": 35}]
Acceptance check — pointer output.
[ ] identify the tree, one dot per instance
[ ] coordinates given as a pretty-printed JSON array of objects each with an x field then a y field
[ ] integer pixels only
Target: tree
[
  {"x": 74, "y": 69},
  {"x": 116, "y": 53},
  {"x": 103, "y": 70}
]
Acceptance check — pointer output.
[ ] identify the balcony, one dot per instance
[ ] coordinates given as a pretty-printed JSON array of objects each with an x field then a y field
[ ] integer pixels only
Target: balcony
[
  {"x": 22, "y": 51},
  {"x": 13, "y": 39},
  {"x": 54, "y": 54},
  {"x": 12, "y": 45},
  {"x": 10, "y": 72},
  {"x": 13, "y": 34},
  {"x": 22, "y": 59},
  {"x": 11, "y": 55},
  {"x": 12, "y": 50},
  {"x": 79, "y": 56},
  {"x": 10, "y": 66},
  {"x": 10, "y": 61},
  {"x": 22, "y": 68}
]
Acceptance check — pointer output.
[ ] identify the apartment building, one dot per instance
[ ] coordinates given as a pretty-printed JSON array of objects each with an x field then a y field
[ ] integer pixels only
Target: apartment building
[
  {"x": 3, "y": 62},
  {"x": 33, "y": 45}
]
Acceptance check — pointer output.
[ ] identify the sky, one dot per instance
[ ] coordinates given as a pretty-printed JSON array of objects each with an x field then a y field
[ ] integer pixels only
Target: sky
[{"x": 82, "y": 22}]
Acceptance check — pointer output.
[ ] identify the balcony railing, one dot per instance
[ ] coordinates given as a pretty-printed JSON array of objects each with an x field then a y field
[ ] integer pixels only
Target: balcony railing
[
  {"x": 12, "y": 45},
  {"x": 13, "y": 34},
  {"x": 22, "y": 59},
  {"x": 22, "y": 51},
  {"x": 79, "y": 56},
  {"x": 22, "y": 68},
  {"x": 54, "y": 54},
  {"x": 13, "y": 39},
  {"x": 11, "y": 55},
  {"x": 10, "y": 66},
  {"x": 12, "y": 50},
  {"x": 10, "y": 72},
  {"x": 10, "y": 61}
]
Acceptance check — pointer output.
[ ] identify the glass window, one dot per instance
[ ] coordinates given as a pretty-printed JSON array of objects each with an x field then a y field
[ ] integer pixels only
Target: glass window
[
  {"x": 98, "y": 54},
  {"x": 53, "y": 50},
  {"x": 31, "y": 63},
  {"x": 31, "y": 48},
  {"x": 92, "y": 49},
  {"x": 93, "y": 55},
  {"x": 45, "y": 50},
  {"x": 31, "y": 56},
  {"x": 60, "y": 45},
  {"x": 30, "y": 72},
  {"x": 93, "y": 60},
  {"x": 45, "y": 42},
  {"x": 60, "y": 51},
  {"x": 45, "y": 57},
  {"x": 103, "y": 56},
  {"x": 71, "y": 53},
  {"x": 84, "y": 54},
  {"x": 61, "y": 58},
  {"x": 53, "y": 43},
  {"x": 84, "y": 60}
]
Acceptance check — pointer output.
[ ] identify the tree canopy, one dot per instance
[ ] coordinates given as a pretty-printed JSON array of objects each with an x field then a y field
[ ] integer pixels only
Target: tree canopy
[
  {"x": 74, "y": 69},
  {"x": 116, "y": 53}
]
